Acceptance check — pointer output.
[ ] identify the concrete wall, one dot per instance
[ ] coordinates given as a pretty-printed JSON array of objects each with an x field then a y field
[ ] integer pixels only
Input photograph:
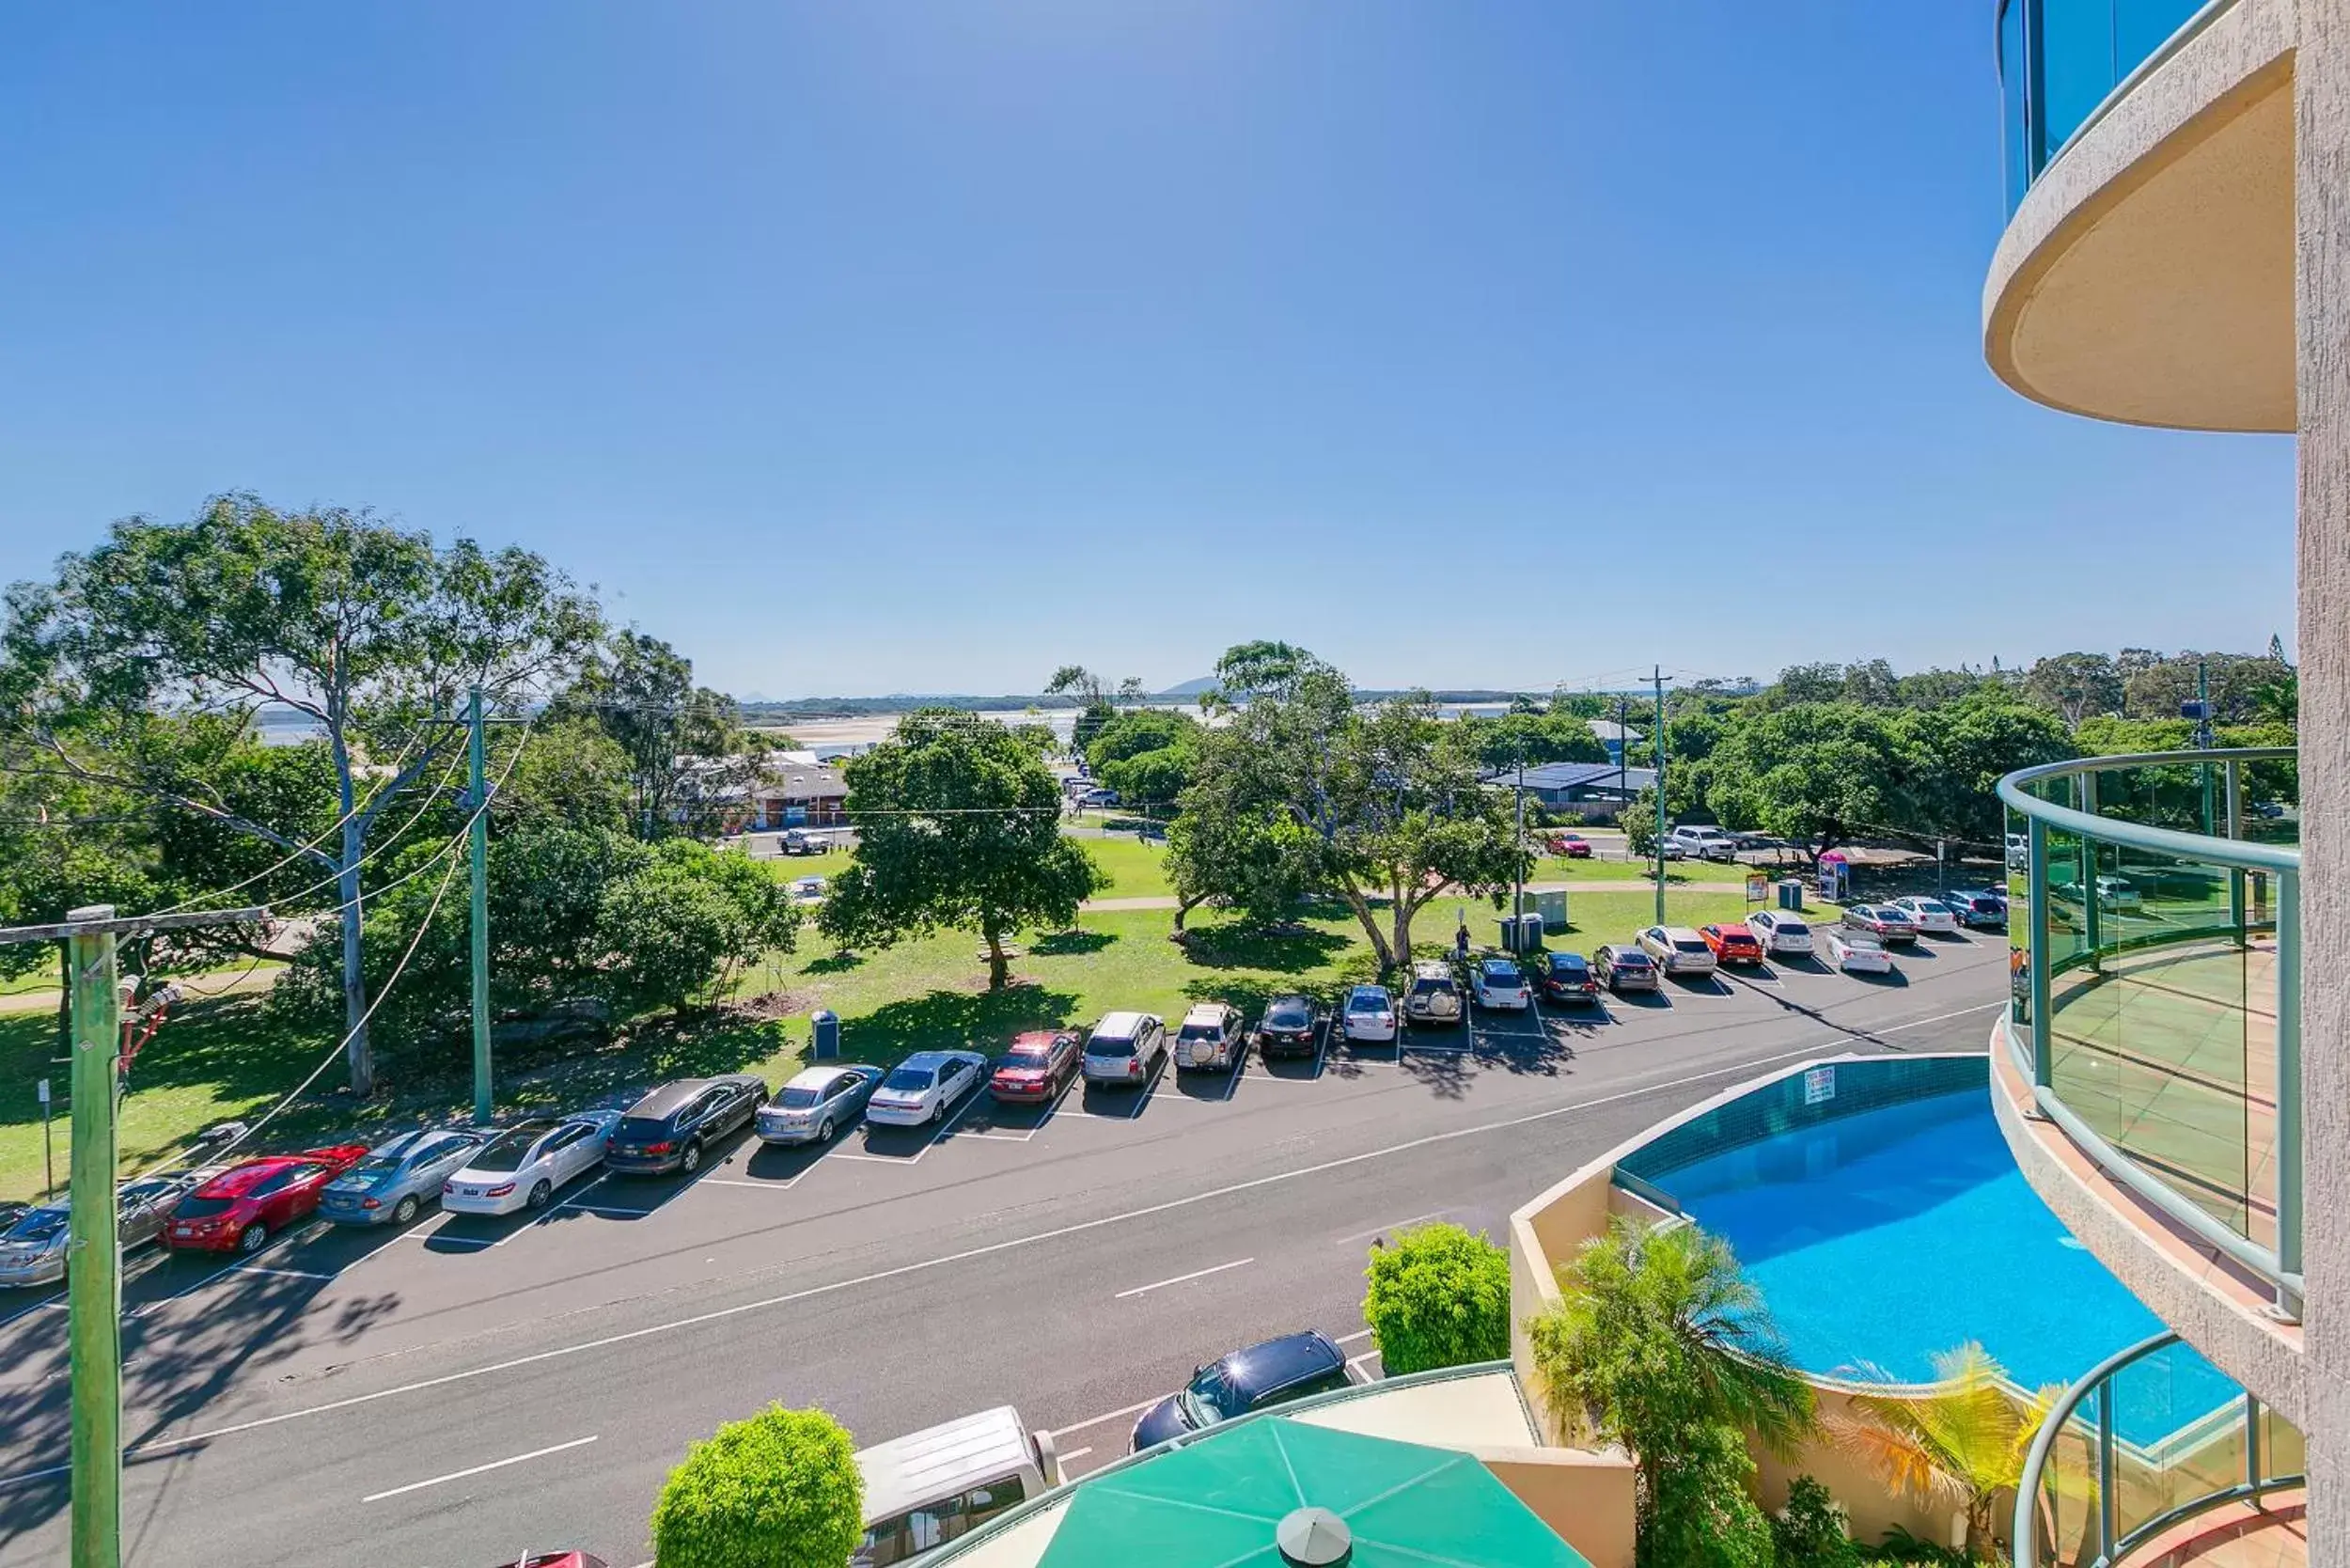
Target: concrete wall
[
  {"x": 1872, "y": 1506},
  {"x": 2321, "y": 318},
  {"x": 1587, "y": 1497}
]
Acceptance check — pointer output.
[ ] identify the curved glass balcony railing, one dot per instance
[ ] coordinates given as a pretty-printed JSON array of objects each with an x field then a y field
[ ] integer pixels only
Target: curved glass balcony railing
[
  {"x": 2139, "y": 1447},
  {"x": 2154, "y": 924},
  {"x": 2062, "y": 61}
]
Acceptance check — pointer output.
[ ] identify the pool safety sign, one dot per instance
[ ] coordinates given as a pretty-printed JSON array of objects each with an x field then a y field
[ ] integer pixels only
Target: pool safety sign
[{"x": 1819, "y": 1085}]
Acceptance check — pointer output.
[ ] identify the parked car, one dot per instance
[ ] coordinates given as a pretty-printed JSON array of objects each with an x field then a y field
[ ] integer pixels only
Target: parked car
[
  {"x": 1125, "y": 1048},
  {"x": 1571, "y": 846},
  {"x": 523, "y": 1167},
  {"x": 1099, "y": 797},
  {"x": 1985, "y": 908},
  {"x": 1732, "y": 942},
  {"x": 1889, "y": 925},
  {"x": 817, "y": 1102},
  {"x": 808, "y": 889},
  {"x": 1927, "y": 914},
  {"x": 399, "y": 1178},
  {"x": 1275, "y": 1373},
  {"x": 1708, "y": 844},
  {"x": 1434, "y": 997},
  {"x": 1677, "y": 951},
  {"x": 33, "y": 1246},
  {"x": 925, "y": 1088},
  {"x": 795, "y": 841},
  {"x": 1567, "y": 977},
  {"x": 1037, "y": 1066},
  {"x": 557, "y": 1559},
  {"x": 1856, "y": 952},
  {"x": 1368, "y": 1017},
  {"x": 239, "y": 1209},
  {"x": 673, "y": 1127},
  {"x": 1498, "y": 982},
  {"x": 2117, "y": 892},
  {"x": 1210, "y": 1036},
  {"x": 1291, "y": 1026},
  {"x": 928, "y": 1488},
  {"x": 1622, "y": 969},
  {"x": 1781, "y": 933}
]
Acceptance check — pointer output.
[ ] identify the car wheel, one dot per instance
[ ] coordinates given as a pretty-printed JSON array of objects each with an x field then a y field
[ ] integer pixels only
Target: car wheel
[
  {"x": 540, "y": 1193},
  {"x": 691, "y": 1160},
  {"x": 405, "y": 1210},
  {"x": 253, "y": 1238},
  {"x": 823, "y": 1131},
  {"x": 938, "y": 1113}
]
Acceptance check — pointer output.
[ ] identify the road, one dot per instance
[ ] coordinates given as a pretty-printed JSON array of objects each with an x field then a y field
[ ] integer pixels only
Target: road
[{"x": 455, "y": 1394}]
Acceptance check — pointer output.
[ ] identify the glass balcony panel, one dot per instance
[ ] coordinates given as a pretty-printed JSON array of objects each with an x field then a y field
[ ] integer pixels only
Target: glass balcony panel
[
  {"x": 2180, "y": 1434},
  {"x": 2281, "y": 1450},
  {"x": 2060, "y": 59}
]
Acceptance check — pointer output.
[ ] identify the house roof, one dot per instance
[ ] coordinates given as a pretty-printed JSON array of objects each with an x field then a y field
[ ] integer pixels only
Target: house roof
[{"x": 1578, "y": 776}]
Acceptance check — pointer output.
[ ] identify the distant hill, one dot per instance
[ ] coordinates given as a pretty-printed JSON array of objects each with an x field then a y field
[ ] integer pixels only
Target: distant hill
[{"x": 1190, "y": 688}]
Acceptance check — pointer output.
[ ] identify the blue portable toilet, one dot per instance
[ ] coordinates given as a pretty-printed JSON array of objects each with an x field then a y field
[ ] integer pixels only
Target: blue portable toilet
[{"x": 827, "y": 1027}]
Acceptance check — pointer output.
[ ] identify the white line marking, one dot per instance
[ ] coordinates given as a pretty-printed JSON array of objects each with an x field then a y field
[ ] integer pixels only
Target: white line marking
[
  {"x": 1349, "y": 1338},
  {"x": 1231, "y": 1084},
  {"x": 1001, "y": 1137},
  {"x": 453, "y": 1241},
  {"x": 869, "y": 1159},
  {"x": 613, "y": 1209},
  {"x": 762, "y": 1186},
  {"x": 167, "y": 1445},
  {"x": 281, "y": 1273},
  {"x": 36, "y": 1475},
  {"x": 1180, "y": 1278},
  {"x": 478, "y": 1469},
  {"x": 1354, "y": 1361},
  {"x": 1076, "y": 1454},
  {"x": 35, "y": 1307},
  {"x": 1097, "y": 1420},
  {"x": 1396, "y": 1224}
]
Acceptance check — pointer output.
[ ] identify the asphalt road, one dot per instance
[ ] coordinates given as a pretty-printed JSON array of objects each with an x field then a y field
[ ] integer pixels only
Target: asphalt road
[{"x": 471, "y": 1388}]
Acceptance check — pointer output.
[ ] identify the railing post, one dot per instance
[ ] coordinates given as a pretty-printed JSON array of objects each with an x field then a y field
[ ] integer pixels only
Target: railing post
[
  {"x": 2105, "y": 1470},
  {"x": 2235, "y": 830},
  {"x": 2288, "y": 1090},
  {"x": 2036, "y": 950},
  {"x": 2092, "y": 923},
  {"x": 2251, "y": 1438}
]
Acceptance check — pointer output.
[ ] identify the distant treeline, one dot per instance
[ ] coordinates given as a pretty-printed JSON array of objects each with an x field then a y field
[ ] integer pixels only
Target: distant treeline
[{"x": 785, "y": 711}]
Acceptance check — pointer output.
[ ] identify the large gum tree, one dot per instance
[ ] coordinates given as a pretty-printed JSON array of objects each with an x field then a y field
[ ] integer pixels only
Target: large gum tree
[{"x": 371, "y": 632}]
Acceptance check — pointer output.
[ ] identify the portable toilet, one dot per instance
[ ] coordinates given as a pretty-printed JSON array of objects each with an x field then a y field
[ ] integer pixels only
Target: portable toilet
[
  {"x": 1551, "y": 904},
  {"x": 827, "y": 1025},
  {"x": 1790, "y": 893}
]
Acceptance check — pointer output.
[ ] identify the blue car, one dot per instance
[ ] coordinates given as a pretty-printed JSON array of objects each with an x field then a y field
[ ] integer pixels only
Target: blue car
[
  {"x": 398, "y": 1179},
  {"x": 1296, "y": 1366}
]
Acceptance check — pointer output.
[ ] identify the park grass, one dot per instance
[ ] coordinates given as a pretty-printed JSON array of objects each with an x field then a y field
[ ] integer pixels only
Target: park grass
[{"x": 1678, "y": 873}]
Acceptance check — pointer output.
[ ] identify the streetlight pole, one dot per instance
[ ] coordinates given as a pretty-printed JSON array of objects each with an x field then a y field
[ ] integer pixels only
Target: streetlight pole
[
  {"x": 1517, "y": 887},
  {"x": 1657, "y": 675},
  {"x": 478, "y": 797}
]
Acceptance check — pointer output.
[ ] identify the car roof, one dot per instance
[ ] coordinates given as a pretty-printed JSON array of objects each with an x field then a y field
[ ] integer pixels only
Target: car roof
[
  {"x": 932, "y": 1059},
  {"x": 816, "y": 1077},
  {"x": 1279, "y": 1362},
  {"x": 1366, "y": 989},
  {"x": 1207, "y": 1012},
  {"x": 1118, "y": 1025},
  {"x": 1497, "y": 964},
  {"x": 666, "y": 1100},
  {"x": 1041, "y": 1037},
  {"x": 1675, "y": 933},
  {"x": 943, "y": 1459},
  {"x": 1732, "y": 928},
  {"x": 240, "y": 1180},
  {"x": 1289, "y": 999},
  {"x": 1568, "y": 961}
]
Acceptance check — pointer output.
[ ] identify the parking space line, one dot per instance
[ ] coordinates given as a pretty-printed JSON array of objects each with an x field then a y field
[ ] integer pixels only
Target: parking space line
[
  {"x": 1349, "y": 1338},
  {"x": 1076, "y": 1454},
  {"x": 478, "y": 1469},
  {"x": 1097, "y": 1420},
  {"x": 1231, "y": 1085},
  {"x": 281, "y": 1273},
  {"x": 1184, "y": 1278},
  {"x": 27, "y": 1311},
  {"x": 622, "y": 1210}
]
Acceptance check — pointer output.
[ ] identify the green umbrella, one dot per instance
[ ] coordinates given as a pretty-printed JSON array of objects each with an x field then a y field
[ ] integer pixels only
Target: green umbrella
[{"x": 1236, "y": 1499}]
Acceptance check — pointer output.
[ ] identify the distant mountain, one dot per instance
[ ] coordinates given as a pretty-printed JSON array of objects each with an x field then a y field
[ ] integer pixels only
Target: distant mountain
[{"x": 1191, "y": 689}]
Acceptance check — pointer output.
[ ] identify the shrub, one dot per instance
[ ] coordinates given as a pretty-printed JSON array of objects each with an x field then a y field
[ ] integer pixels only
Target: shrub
[
  {"x": 1812, "y": 1530},
  {"x": 1702, "y": 1514},
  {"x": 1438, "y": 1297},
  {"x": 780, "y": 1490}
]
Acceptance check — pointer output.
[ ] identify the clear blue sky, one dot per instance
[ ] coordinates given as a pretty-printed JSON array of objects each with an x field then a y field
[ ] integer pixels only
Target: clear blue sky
[{"x": 887, "y": 346}]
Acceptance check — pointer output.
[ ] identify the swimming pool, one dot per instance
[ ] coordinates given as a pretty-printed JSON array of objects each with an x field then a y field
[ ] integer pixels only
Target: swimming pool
[{"x": 1881, "y": 1237}]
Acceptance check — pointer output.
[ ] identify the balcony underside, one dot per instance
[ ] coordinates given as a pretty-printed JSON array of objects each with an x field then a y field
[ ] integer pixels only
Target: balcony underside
[{"x": 2148, "y": 275}]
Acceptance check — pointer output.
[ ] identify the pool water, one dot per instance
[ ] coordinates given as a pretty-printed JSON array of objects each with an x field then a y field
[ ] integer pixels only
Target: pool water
[{"x": 1882, "y": 1238}]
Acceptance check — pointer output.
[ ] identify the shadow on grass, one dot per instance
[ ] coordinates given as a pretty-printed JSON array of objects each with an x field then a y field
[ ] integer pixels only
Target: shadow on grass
[
  {"x": 948, "y": 1020},
  {"x": 832, "y": 963},
  {"x": 1289, "y": 949},
  {"x": 1062, "y": 944}
]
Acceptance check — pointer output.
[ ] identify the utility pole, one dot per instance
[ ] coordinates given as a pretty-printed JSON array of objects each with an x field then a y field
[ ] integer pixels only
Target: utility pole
[
  {"x": 1517, "y": 893},
  {"x": 93, "y": 1248},
  {"x": 478, "y": 797},
  {"x": 2202, "y": 733},
  {"x": 1657, "y": 675}
]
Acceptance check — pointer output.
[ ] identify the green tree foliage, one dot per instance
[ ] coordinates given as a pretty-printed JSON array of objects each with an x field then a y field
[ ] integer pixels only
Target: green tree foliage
[
  {"x": 1962, "y": 750},
  {"x": 957, "y": 825},
  {"x": 1145, "y": 754},
  {"x": 1816, "y": 774},
  {"x": 1251, "y": 670},
  {"x": 1812, "y": 1531},
  {"x": 1439, "y": 1297},
  {"x": 1234, "y": 840},
  {"x": 1703, "y": 1513},
  {"x": 1658, "y": 1342},
  {"x": 686, "y": 922},
  {"x": 1532, "y": 737},
  {"x": 571, "y": 772},
  {"x": 688, "y": 755},
  {"x": 780, "y": 1490},
  {"x": 371, "y": 632},
  {"x": 1093, "y": 694},
  {"x": 2076, "y": 686}
]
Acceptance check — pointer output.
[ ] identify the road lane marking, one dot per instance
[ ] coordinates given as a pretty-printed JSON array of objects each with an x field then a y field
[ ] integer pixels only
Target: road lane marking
[
  {"x": 620, "y": 1209},
  {"x": 925, "y": 1265},
  {"x": 478, "y": 1469},
  {"x": 1394, "y": 1225},
  {"x": 36, "y": 1475},
  {"x": 1184, "y": 1278},
  {"x": 1349, "y": 1338},
  {"x": 1076, "y": 1454},
  {"x": 280, "y": 1273},
  {"x": 1096, "y": 1421}
]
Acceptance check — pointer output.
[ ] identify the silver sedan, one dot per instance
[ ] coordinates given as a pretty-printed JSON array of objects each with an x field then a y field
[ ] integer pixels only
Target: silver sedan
[
  {"x": 817, "y": 1103},
  {"x": 32, "y": 1251},
  {"x": 399, "y": 1178}
]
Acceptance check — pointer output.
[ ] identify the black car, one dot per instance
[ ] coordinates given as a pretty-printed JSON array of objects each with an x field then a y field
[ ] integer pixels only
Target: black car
[
  {"x": 671, "y": 1128},
  {"x": 1984, "y": 909},
  {"x": 1290, "y": 1028},
  {"x": 1567, "y": 978},
  {"x": 1275, "y": 1373},
  {"x": 1622, "y": 969}
]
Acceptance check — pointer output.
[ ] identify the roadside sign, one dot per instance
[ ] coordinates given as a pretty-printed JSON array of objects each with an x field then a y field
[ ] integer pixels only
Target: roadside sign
[
  {"x": 1758, "y": 887},
  {"x": 1819, "y": 1085},
  {"x": 41, "y": 1091}
]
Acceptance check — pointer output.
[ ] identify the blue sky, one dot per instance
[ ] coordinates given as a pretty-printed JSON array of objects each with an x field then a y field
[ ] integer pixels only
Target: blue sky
[{"x": 859, "y": 348}]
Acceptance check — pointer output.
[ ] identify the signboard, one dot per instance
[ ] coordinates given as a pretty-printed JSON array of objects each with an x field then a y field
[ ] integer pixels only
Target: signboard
[
  {"x": 1819, "y": 1085},
  {"x": 1834, "y": 880},
  {"x": 1758, "y": 887},
  {"x": 44, "y": 1091}
]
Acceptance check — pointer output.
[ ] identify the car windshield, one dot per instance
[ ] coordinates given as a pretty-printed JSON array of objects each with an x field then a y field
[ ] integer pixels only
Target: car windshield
[
  {"x": 1022, "y": 1059},
  {"x": 1501, "y": 974},
  {"x": 1790, "y": 928},
  {"x": 1865, "y": 943},
  {"x": 1286, "y": 1015},
  {"x": 1688, "y": 944},
  {"x": 635, "y": 1127},
  {"x": 1109, "y": 1045},
  {"x": 1213, "y": 1396},
  {"x": 203, "y": 1208},
  {"x": 507, "y": 1153},
  {"x": 909, "y": 1080},
  {"x": 796, "y": 1097},
  {"x": 1430, "y": 984},
  {"x": 1631, "y": 961},
  {"x": 1565, "y": 963},
  {"x": 1367, "y": 1001},
  {"x": 1928, "y": 906},
  {"x": 41, "y": 1225},
  {"x": 375, "y": 1165}
]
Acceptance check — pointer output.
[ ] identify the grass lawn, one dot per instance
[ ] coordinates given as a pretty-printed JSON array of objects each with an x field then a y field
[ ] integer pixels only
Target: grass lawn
[
  {"x": 1136, "y": 869},
  {"x": 1677, "y": 872}
]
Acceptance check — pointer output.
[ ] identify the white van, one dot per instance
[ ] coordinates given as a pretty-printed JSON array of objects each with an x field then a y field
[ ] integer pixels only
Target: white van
[
  {"x": 1707, "y": 843},
  {"x": 925, "y": 1489}
]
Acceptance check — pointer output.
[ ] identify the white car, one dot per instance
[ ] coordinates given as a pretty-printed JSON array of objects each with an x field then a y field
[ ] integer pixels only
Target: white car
[
  {"x": 1678, "y": 950},
  {"x": 1125, "y": 1048},
  {"x": 1498, "y": 982},
  {"x": 1856, "y": 954},
  {"x": 1367, "y": 1015},
  {"x": 808, "y": 889},
  {"x": 925, "y": 1087},
  {"x": 1708, "y": 844},
  {"x": 1780, "y": 932},
  {"x": 523, "y": 1167},
  {"x": 1209, "y": 1037},
  {"x": 1928, "y": 914},
  {"x": 2116, "y": 892}
]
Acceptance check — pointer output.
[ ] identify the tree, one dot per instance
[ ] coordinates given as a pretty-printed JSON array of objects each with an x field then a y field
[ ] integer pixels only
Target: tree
[
  {"x": 957, "y": 825},
  {"x": 689, "y": 757},
  {"x": 1704, "y": 1515},
  {"x": 1250, "y": 669},
  {"x": 1963, "y": 1443},
  {"x": 1439, "y": 1297},
  {"x": 372, "y": 634},
  {"x": 1817, "y": 773},
  {"x": 684, "y": 924},
  {"x": 780, "y": 1490},
  {"x": 1137, "y": 730},
  {"x": 2077, "y": 685},
  {"x": 1534, "y": 738},
  {"x": 1964, "y": 749},
  {"x": 571, "y": 772},
  {"x": 1094, "y": 709},
  {"x": 1232, "y": 840}
]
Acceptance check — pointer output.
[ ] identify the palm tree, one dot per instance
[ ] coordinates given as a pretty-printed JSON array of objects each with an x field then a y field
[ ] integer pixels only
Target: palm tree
[
  {"x": 1660, "y": 1334},
  {"x": 1963, "y": 1443}
]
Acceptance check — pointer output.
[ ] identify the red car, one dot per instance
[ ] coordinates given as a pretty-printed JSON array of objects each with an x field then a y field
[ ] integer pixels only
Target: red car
[
  {"x": 1573, "y": 845},
  {"x": 1731, "y": 944},
  {"x": 1037, "y": 1067},
  {"x": 239, "y": 1209}
]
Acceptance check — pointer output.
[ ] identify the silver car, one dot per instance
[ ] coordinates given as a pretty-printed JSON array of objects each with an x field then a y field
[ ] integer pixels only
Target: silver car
[
  {"x": 817, "y": 1103},
  {"x": 399, "y": 1178},
  {"x": 32, "y": 1251}
]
